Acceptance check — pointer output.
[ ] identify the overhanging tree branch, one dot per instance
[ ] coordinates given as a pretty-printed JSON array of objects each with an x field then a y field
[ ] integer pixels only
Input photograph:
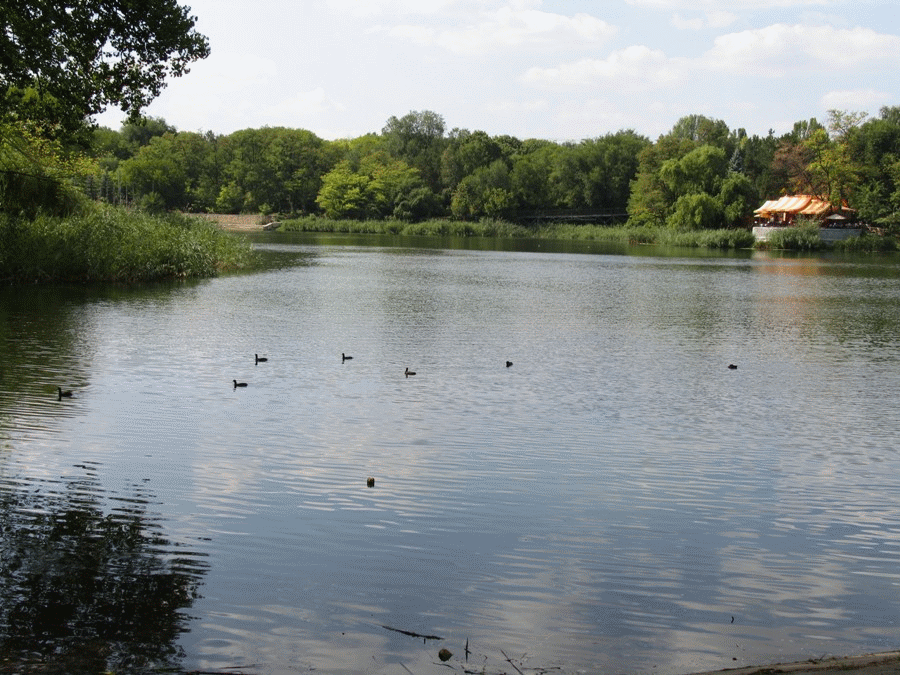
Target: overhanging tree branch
[{"x": 89, "y": 54}]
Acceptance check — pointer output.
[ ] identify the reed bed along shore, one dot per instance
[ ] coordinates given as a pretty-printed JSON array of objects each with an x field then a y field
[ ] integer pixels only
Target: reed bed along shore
[
  {"x": 791, "y": 239},
  {"x": 110, "y": 244},
  {"x": 722, "y": 239}
]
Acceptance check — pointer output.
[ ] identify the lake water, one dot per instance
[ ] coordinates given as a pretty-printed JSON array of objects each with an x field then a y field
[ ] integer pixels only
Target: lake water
[{"x": 618, "y": 500}]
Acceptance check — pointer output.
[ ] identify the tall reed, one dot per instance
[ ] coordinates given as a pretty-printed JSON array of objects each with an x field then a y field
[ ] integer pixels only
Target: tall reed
[
  {"x": 489, "y": 227},
  {"x": 104, "y": 243},
  {"x": 868, "y": 243},
  {"x": 437, "y": 227},
  {"x": 805, "y": 238}
]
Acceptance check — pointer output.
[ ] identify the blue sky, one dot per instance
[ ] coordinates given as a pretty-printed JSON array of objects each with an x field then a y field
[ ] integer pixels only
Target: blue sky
[{"x": 553, "y": 69}]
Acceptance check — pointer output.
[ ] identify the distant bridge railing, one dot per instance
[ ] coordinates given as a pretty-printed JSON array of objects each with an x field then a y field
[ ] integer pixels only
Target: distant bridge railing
[{"x": 614, "y": 216}]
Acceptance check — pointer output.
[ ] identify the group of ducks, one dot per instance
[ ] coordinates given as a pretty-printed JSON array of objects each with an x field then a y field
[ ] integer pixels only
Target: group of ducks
[
  {"x": 262, "y": 359},
  {"x": 344, "y": 357},
  {"x": 257, "y": 360}
]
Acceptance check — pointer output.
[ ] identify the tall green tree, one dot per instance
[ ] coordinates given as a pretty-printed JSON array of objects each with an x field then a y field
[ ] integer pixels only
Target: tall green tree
[
  {"x": 818, "y": 161},
  {"x": 651, "y": 199},
  {"x": 272, "y": 169},
  {"x": 876, "y": 149},
  {"x": 381, "y": 187},
  {"x": 701, "y": 170},
  {"x": 88, "y": 54},
  {"x": 530, "y": 175},
  {"x": 418, "y": 139},
  {"x": 597, "y": 173},
  {"x": 485, "y": 192},
  {"x": 701, "y": 130},
  {"x": 466, "y": 152},
  {"x": 157, "y": 174}
]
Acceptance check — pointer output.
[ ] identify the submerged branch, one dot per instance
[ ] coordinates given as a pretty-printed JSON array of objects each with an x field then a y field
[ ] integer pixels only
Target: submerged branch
[{"x": 413, "y": 634}]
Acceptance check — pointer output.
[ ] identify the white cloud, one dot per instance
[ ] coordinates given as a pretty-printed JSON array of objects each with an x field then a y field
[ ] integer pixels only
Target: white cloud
[
  {"x": 710, "y": 20},
  {"x": 687, "y": 24},
  {"x": 420, "y": 35},
  {"x": 508, "y": 106},
  {"x": 360, "y": 8},
  {"x": 633, "y": 68},
  {"x": 726, "y": 5},
  {"x": 510, "y": 26},
  {"x": 303, "y": 104},
  {"x": 780, "y": 50},
  {"x": 859, "y": 99},
  {"x": 590, "y": 119}
]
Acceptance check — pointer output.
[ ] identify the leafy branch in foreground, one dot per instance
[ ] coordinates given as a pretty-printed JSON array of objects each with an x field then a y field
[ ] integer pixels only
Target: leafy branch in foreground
[{"x": 87, "y": 54}]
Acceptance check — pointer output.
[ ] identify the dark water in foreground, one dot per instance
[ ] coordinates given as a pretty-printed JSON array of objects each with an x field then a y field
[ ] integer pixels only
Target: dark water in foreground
[{"x": 606, "y": 504}]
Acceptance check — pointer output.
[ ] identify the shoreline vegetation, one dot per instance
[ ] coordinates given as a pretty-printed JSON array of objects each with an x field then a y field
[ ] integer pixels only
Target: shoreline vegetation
[
  {"x": 803, "y": 238},
  {"x": 100, "y": 243},
  {"x": 110, "y": 207}
]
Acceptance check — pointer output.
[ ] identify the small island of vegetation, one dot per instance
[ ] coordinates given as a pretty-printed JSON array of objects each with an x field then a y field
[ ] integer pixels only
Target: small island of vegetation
[{"x": 81, "y": 202}]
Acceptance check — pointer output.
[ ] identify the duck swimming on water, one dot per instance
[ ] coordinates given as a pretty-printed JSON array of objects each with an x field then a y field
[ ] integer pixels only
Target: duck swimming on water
[
  {"x": 260, "y": 359},
  {"x": 63, "y": 394},
  {"x": 239, "y": 384},
  {"x": 344, "y": 357},
  {"x": 409, "y": 372}
]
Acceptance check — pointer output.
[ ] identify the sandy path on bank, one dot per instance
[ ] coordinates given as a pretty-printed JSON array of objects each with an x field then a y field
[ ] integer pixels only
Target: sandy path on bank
[{"x": 252, "y": 222}]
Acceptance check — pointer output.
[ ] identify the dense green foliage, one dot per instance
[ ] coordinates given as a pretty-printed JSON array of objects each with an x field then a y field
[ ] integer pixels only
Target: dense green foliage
[
  {"x": 62, "y": 61},
  {"x": 699, "y": 176},
  {"x": 114, "y": 244},
  {"x": 35, "y": 173}
]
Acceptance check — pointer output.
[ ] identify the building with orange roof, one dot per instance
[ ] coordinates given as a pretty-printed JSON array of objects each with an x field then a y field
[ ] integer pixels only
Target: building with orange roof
[{"x": 785, "y": 211}]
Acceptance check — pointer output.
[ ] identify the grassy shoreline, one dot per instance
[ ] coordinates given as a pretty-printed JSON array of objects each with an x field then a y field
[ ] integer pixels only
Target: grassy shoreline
[
  {"x": 720, "y": 239},
  {"x": 110, "y": 244},
  {"x": 788, "y": 239}
]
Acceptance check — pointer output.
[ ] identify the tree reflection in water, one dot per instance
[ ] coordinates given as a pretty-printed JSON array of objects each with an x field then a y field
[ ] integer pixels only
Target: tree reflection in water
[{"x": 86, "y": 591}]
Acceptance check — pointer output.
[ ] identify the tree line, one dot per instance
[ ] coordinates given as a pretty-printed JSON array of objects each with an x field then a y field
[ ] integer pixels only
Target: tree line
[
  {"x": 701, "y": 174},
  {"x": 63, "y": 61}
]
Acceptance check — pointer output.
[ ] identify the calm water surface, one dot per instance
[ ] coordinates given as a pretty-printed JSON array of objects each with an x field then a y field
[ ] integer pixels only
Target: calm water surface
[{"x": 616, "y": 501}]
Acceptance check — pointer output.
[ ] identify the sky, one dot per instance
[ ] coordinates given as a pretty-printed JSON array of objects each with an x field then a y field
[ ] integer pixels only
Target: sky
[{"x": 561, "y": 70}]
